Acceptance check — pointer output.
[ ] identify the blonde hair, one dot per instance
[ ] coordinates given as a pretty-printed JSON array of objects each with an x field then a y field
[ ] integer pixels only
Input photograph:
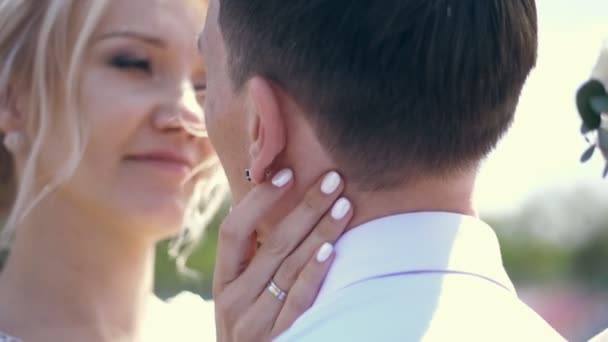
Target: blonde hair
[{"x": 42, "y": 43}]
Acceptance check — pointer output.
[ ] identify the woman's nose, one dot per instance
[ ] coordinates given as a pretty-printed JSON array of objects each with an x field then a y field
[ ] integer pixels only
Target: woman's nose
[
  {"x": 189, "y": 105},
  {"x": 184, "y": 113}
]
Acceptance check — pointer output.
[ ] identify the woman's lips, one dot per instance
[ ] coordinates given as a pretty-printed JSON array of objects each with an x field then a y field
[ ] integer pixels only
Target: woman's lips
[{"x": 167, "y": 161}]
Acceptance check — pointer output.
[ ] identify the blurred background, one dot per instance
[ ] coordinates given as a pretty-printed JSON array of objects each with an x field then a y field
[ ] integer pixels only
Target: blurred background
[{"x": 550, "y": 212}]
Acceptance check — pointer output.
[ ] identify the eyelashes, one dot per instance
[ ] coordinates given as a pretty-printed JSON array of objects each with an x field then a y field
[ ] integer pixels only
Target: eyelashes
[
  {"x": 200, "y": 87},
  {"x": 129, "y": 63}
]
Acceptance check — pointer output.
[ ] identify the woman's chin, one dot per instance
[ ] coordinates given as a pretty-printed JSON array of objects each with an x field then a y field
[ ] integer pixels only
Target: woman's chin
[
  {"x": 161, "y": 221},
  {"x": 166, "y": 226}
]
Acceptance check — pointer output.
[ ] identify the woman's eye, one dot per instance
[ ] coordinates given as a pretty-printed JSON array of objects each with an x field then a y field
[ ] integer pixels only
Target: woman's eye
[
  {"x": 131, "y": 63},
  {"x": 200, "y": 87}
]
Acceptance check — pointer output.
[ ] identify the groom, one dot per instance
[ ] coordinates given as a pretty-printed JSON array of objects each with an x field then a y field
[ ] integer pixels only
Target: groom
[{"x": 404, "y": 98}]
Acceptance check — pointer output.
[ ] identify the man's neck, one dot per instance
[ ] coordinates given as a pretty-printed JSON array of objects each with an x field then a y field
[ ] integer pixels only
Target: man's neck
[
  {"x": 309, "y": 159},
  {"x": 450, "y": 194}
]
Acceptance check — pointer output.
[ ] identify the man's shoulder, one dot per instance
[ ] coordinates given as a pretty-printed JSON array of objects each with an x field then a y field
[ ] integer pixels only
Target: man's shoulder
[{"x": 429, "y": 307}]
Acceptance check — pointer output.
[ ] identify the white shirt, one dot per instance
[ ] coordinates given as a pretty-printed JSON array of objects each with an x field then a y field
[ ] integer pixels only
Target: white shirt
[
  {"x": 603, "y": 337},
  {"x": 422, "y": 276}
]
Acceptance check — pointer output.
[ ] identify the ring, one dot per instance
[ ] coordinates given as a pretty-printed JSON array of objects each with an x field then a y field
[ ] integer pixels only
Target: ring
[{"x": 276, "y": 291}]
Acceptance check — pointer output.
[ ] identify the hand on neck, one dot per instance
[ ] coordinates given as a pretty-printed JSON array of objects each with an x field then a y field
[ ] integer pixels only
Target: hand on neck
[
  {"x": 448, "y": 193},
  {"x": 310, "y": 160}
]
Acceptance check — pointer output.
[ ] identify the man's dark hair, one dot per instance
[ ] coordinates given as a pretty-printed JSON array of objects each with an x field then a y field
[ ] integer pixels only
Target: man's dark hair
[{"x": 395, "y": 88}]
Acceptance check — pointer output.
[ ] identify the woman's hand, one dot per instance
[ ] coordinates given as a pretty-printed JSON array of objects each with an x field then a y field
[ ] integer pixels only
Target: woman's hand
[{"x": 295, "y": 258}]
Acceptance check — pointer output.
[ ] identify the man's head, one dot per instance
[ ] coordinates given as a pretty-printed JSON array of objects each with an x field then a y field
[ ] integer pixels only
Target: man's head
[{"x": 391, "y": 90}]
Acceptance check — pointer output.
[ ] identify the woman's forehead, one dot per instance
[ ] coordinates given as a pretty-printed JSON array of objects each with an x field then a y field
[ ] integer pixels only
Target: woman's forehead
[{"x": 160, "y": 17}]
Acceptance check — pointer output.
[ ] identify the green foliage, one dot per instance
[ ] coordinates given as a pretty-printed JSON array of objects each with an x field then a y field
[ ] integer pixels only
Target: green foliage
[
  {"x": 588, "y": 265},
  {"x": 532, "y": 261},
  {"x": 198, "y": 275},
  {"x": 558, "y": 237}
]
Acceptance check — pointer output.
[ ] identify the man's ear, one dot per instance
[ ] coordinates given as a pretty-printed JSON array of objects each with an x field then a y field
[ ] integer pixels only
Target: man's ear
[{"x": 267, "y": 127}]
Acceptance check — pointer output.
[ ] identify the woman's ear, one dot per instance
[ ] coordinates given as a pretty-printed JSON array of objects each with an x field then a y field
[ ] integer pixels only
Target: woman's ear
[
  {"x": 11, "y": 118},
  {"x": 267, "y": 128},
  {"x": 11, "y": 124}
]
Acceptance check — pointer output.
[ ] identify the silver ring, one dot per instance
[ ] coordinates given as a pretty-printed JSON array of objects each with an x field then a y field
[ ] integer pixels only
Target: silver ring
[{"x": 276, "y": 291}]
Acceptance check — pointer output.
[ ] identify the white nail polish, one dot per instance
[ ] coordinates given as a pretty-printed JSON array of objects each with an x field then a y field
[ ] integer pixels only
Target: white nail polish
[
  {"x": 324, "y": 252},
  {"x": 330, "y": 183},
  {"x": 282, "y": 178},
  {"x": 340, "y": 209}
]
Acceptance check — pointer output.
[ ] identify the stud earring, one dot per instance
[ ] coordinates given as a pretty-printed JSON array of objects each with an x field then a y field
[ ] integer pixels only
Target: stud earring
[
  {"x": 14, "y": 141},
  {"x": 248, "y": 175}
]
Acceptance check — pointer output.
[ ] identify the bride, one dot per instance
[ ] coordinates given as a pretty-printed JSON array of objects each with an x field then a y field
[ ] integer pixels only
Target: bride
[{"x": 104, "y": 156}]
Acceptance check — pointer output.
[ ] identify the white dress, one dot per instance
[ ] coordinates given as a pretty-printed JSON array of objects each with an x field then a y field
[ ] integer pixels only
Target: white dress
[{"x": 185, "y": 317}]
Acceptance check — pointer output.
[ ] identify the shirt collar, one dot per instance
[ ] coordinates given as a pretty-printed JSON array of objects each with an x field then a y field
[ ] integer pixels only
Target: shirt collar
[{"x": 414, "y": 243}]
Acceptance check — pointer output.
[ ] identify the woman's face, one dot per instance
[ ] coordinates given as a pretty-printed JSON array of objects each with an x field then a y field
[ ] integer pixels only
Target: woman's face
[{"x": 141, "y": 73}]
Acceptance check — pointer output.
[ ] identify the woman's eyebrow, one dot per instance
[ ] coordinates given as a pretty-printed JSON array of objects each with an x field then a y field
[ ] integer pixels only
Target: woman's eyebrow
[{"x": 134, "y": 35}]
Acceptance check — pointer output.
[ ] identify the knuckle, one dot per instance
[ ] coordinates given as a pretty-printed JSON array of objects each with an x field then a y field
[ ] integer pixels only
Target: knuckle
[
  {"x": 298, "y": 303},
  {"x": 327, "y": 230},
  {"x": 310, "y": 276},
  {"x": 289, "y": 271},
  {"x": 222, "y": 306},
  {"x": 224, "y": 313},
  {"x": 228, "y": 306},
  {"x": 229, "y": 221},
  {"x": 279, "y": 249},
  {"x": 246, "y": 329},
  {"x": 314, "y": 203},
  {"x": 241, "y": 331},
  {"x": 228, "y": 230}
]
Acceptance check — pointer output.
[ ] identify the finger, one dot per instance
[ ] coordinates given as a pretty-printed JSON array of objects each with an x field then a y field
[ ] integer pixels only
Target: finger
[
  {"x": 329, "y": 229},
  {"x": 235, "y": 234},
  {"x": 305, "y": 290},
  {"x": 297, "y": 272},
  {"x": 299, "y": 299},
  {"x": 293, "y": 230}
]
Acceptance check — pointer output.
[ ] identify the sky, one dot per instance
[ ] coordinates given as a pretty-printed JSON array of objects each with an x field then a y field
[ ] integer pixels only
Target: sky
[{"x": 542, "y": 150}]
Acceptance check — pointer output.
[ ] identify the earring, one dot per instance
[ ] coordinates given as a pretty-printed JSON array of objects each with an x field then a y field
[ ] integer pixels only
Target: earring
[
  {"x": 14, "y": 141},
  {"x": 248, "y": 175}
]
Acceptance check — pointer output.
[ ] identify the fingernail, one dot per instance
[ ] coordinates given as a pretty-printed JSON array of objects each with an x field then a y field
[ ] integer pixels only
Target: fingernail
[
  {"x": 324, "y": 252},
  {"x": 340, "y": 209},
  {"x": 282, "y": 178},
  {"x": 330, "y": 183}
]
